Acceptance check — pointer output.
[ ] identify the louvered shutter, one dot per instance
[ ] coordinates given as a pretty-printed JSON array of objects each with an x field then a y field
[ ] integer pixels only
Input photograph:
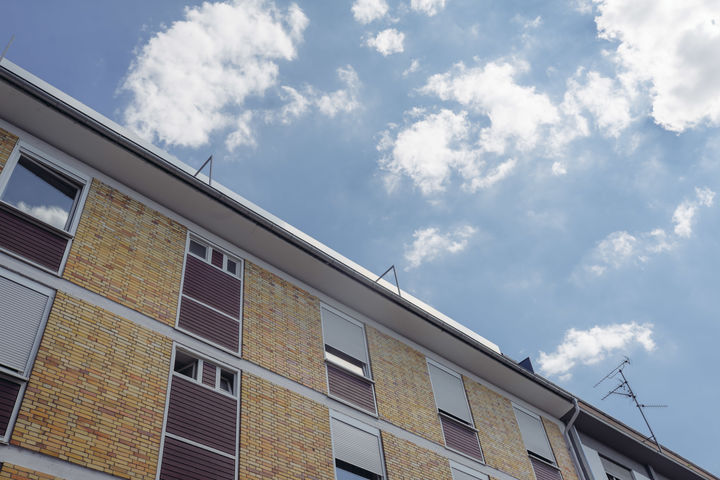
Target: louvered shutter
[
  {"x": 449, "y": 393},
  {"x": 344, "y": 335},
  {"x": 356, "y": 447},
  {"x": 21, "y": 313},
  {"x": 533, "y": 434}
]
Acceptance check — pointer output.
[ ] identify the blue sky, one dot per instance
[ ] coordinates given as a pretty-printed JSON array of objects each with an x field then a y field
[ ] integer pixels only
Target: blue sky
[{"x": 542, "y": 172}]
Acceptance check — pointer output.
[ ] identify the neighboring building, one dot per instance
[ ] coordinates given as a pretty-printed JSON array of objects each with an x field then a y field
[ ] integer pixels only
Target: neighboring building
[{"x": 154, "y": 326}]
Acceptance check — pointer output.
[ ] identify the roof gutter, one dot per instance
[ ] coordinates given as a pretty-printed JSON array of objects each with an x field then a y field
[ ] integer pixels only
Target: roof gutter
[{"x": 158, "y": 161}]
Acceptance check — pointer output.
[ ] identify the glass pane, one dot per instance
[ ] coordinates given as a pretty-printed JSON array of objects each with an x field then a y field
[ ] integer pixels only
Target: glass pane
[
  {"x": 345, "y": 471},
  {"x": 227, "y": 381},
  {"x": 198, "y": 249},
  {"x": 231, "y": 267},
  {"x": 185, "y": 364},
  {"x": 37, "y": 191}
]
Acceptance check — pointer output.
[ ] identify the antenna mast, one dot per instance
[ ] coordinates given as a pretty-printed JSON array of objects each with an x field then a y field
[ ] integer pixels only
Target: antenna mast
[{"x": 624, "y": 389}]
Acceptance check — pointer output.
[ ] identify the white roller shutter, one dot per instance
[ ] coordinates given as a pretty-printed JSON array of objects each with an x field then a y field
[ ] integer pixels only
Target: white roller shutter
[
  {"x": 344, "y": 335},
  {"x": 356, "y": 446},
  {"x": 596, "y": 466},
  {"x": 533, "y": 434},
  {"x": 616, "y": 470},
  {"x": 640, "y": 476},
  {"x": 449, "y": 393},
  {"x": 22, "y": 311}
]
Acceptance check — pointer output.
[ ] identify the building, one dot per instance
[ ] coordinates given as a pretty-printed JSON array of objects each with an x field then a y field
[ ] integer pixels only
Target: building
[{"x": 155, "y": 326}]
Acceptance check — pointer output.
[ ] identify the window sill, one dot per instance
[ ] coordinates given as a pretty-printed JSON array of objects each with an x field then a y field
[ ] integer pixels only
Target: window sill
[
  {"x": 352, "y": 405},
  {"x": 456, "y": 420},
  {"x": 541, "y": 459},
  {"x": 344, "y": 369}
]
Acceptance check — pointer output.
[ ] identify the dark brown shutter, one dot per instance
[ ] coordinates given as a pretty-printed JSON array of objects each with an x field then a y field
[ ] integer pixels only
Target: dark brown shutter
[
  {"x": 27, "y": 239},
  {"x": 202, "y": 415},
  {"x": 351, "y": 388},
  {"x": 209, "y": 374},
  {"x": 209, "y": 324},
  {"x": 211, "y": 286},
  {"x": 543, "y": 471},
  {"x": 217, "y": 258},
  {"x": 182, "y": 461},
  {"x": 8, "y": 396},
  {"x": 461, "y": 437}
]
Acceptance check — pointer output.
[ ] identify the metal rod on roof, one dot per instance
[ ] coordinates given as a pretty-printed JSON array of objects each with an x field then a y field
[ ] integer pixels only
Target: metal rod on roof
[
  {"x": 397, "y": 284},
  {"x": 210, "y": 159},
  {"x": 7, "y": 47}
]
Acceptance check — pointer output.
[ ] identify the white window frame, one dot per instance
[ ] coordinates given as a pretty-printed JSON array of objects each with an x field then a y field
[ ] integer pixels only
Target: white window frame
[
  {"x": 12, "y": 375},
  {"x": 23, "y": 149},
  {"x": 201, "y": 359},
  {"x": 462, "y": 468},
  {"x": 361, "y": 426},
  {"x": 240, "y": 276},
  {"x": 552, "y": 463},
  {"x": 367, "y": 368}
]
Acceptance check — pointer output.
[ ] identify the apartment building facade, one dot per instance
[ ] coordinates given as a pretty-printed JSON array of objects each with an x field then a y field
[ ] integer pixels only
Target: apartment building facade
[{"x": 154, "y": 325}]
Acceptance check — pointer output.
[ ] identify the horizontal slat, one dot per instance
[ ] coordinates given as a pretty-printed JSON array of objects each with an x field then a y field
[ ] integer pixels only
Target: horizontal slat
[
  {"x": 209, "y": 374},
  {"x": 460, "y": 437},
  {"x": 28, "y": 240},
  {"x": 543, "y": 471},
  {"x": 202, "y": 415},
  {"x": 182, "y": 461},
  {"x": 351, "y": 388},
  {"x": 8, "y": 396},
  {"x": 212, "y": 286},
  {"x": 209, "y": 324}
]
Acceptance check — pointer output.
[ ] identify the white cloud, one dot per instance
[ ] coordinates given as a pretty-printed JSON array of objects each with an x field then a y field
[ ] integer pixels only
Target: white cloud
[
  {"x": 559, "y": 168},
  {"x": 493, "y": 91},
  {"x": 607, "y": 101},
  {"x": 414, "y": 66},
  {"x": 53, "y": 215},
  {"x": 187, "y": 78},
  {"x": 365, "y": 11},
  {"x": 387, "y": 42},
  {"x": 297, "y": 105},
  {"x": 242, "y": 134},
  {"x": 589, "y": 347},
  {"x": 667, "y": 44},
  {"x": 493, "y": 176},
  {"x": 429, "y": 244},
  {"x": 621, "y": 248},
  {"x": 428, "y": 7},
  {"x": 685, "y": 212}
]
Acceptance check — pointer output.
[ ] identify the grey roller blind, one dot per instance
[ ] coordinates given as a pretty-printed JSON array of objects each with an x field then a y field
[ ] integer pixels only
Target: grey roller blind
[
  {"x": 21, "y": 314},
  {"x": 533, "y": 434},
  {"x": 346, "y": 336},
  {"x": 356, "y": 447},
  {"x": 449, "y": 393},
  {"x": 596, "y": 466},
  {"x": 616, "y": 470},
  {"x": 459, "y": 475}
]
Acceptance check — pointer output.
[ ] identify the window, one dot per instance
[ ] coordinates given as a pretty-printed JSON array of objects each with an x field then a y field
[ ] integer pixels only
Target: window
[
  {"x": 39, "y": 206},
  {"x": 358, "y": 449},
  {"x": 537, "y": 444},
  {"x": 455, "y": 417},
  {"x": 227, "y": 382},
  {"x": 461, "y": 472},
  {"x": 186, "y": 365},
  {"x": 615, "y": 471},
  {"x": 24, "y": 307},
  {"x": 346, "y": 357},
  {"x": 211, "y": 297}
]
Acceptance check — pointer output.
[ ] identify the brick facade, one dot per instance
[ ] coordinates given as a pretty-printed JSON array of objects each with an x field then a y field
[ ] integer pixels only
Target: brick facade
[
  {"x": 406, "y": 461},
  {"x": 7, "y": 143},
  {"x": 282, "y": 330},
  {"x": 402, "y": 386},
  {"x": 283, "y": 435},
  {"x": 560, "y": 449},
  {"x": 96, "y": 395},
  {"x": 498, "y": 430},
  {"x": 14, "y": 472},
  {"x": 128, "y": 253}
]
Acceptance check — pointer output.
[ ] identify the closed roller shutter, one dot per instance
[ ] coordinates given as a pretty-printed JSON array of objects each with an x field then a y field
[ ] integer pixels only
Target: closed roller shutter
[
  {"x": 21, "y": 314},
  {"x": 356, "y": 447},
  {"x": 533, "y": 434},
  {"x": 449, "y": 393},
  {"x": 344, "y": 335}
]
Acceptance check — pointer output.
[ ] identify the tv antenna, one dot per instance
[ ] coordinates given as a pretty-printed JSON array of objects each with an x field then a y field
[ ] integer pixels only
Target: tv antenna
[{"x": 623, "y": 388}]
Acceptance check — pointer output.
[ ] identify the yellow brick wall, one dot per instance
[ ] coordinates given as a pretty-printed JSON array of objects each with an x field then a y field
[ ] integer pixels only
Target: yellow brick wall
[
  {"x": 7, "y": 143},
  {"x": 283, "y": 435},
  {"x": 406, "y": 461},
  {"x": 129, "y": 253},
  {"x": 498, "y": 430},
  {"x": 96, "y": 394},
  {"x": 402, "y": 386},
  {"x": 14, "y": 472},
  {"x": 282, "y": 329},
  {"x": 560, "y": 449}
]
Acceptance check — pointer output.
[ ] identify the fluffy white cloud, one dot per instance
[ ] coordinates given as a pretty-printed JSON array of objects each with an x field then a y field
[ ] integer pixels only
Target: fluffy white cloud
[
  {"x": 299, "y": 103},
  {"x": 50, "y": 214},
  {"x": 667, "y": 44},
  {"x": 429, "y": 244},
  {"x": 607, "y": 101},
  {"x": 365, "y": 11},
  {"x": 428, "y": 7},
  {"x": 621, "y": 248},
  {"x": 414, "y": 66},
  {"x": 493, "y": 91},
  {"x": 588, "y": 347},
  {"x": 186, "y": 79},
  {"x": 387, "y": 42}
]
